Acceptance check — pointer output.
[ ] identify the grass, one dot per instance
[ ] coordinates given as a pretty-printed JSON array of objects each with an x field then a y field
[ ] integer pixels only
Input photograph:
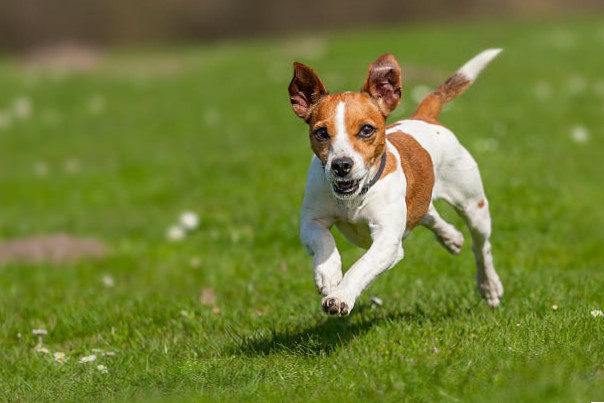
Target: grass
[{"x": 119, "y": 152}]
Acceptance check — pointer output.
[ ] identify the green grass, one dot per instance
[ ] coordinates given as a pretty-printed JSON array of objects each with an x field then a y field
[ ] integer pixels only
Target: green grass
[{"x": 210, "y": 129}]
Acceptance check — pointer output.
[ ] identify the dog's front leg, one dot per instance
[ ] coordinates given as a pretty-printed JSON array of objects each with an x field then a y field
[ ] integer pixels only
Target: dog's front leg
[
  {"x": 319, "y": 242},
  {"x": 385, "y": 251}
]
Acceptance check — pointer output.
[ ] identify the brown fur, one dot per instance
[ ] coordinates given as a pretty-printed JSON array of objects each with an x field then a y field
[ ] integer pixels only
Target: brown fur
[
  {"x": 419, "y": 172},
  {"x": 361, "y": 109},
  {"x": 380, "y": 95},
  {"x": 429, "y": 109},
  {"x": 383, "y": 83}
]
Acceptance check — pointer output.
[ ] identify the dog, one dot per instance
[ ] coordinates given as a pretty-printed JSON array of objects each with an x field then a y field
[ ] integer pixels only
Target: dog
[{"x": 377, "y": 182}]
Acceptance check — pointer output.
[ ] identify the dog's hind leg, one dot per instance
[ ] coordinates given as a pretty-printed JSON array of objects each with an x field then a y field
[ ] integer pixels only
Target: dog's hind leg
[
  {"x": 462, "y": 188},
  {"x": 445, "y": 233},
  {"x": 477, "y": 218}
]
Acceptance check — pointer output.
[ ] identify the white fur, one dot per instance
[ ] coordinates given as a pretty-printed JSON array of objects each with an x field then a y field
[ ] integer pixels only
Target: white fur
[
  {"x": 377, "y": 220},
  {"x": 342, "y": 147},
  {"x": 472, "y": 68}
]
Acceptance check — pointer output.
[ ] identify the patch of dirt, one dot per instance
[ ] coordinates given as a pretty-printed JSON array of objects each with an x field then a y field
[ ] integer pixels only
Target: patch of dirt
[
  {"x": 207, "y": 296},
  {"x": 65, "y": 56},
  {"x": 54, "y": 248}
]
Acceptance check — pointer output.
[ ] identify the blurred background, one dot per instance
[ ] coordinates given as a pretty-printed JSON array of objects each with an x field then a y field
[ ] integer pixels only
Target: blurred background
[{"x": 30, "y": 24}]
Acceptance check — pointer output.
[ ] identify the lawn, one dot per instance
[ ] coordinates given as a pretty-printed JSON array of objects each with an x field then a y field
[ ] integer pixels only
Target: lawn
[{"x": 230, "y": 312}]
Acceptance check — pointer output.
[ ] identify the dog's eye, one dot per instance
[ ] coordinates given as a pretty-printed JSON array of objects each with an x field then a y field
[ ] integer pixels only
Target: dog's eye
[
  {"x": 366, "y": 131},
  {"x": 320, "y": 134}
]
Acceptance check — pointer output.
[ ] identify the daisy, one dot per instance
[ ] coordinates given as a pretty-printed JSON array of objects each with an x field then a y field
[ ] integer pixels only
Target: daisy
[
  {"x": 175, "y": 234},
  {"x": 22, "y": 107},
  {"x": 88, "y": 358},
  {"x": 42, "y": 349},
  {"x": 189, "y": 220},
  {"x": 59, "y": 357},
  {"x": 579, "y": 134}
]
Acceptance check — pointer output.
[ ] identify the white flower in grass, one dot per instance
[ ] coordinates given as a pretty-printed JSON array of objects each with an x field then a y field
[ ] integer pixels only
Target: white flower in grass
[
  {"x": 554, "y": 307},
  {"x": 87, "y": 358},
  {"x": 543, "y": 90},
  {"x": 175, "y": 233},
  {"x": 102, "y": 368},
  {"x": 377, "y": 301},
  {"x": 109, "y": 353},
  {"x": 577, "y": 84},
  {"x": 597, "y": 313},
  {"x": 108, "y": 281},
  {"x": 195, "y": 262},
  {"x": 59, "y": 357},
  {"x": 579, "y": 134},
  {"x": 71, "y": 166},
  {"x": 189, "y": 220},
  {"x": 22, "y": 107},
  {"x": 39, "y": 332},
  {"x": 41, "y": 168},
  {"x": 42, "y": 349}
]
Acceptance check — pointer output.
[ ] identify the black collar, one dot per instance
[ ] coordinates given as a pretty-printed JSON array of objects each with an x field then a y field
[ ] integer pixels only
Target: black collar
[{"x": 377, "y": 176}]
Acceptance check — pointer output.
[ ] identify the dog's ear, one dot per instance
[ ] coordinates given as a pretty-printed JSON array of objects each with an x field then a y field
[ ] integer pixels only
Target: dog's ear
[
  {"x": 383, "y": 83},
  {"x": 305, "y": 90}
]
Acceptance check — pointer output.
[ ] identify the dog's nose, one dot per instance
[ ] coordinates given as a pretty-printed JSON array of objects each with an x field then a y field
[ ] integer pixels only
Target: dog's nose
[{"x": 341, "y": 166}]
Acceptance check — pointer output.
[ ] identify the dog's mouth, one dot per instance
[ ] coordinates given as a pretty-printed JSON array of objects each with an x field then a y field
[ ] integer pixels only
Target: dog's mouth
[{"x": 346, "y": 188}]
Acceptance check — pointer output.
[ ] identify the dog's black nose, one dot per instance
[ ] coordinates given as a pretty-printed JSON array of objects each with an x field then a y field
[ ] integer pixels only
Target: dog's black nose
[{"x": 341, "y": 166}]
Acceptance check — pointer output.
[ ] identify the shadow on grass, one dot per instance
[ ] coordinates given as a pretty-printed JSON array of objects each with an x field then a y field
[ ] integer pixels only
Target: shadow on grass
[{"x": 321, "y": 337}]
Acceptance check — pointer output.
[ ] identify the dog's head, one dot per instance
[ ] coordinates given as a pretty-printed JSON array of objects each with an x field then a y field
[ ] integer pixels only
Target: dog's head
[{"x": 348, "y": 130}]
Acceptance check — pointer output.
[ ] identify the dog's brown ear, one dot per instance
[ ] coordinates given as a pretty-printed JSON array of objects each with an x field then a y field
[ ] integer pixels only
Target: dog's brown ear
[
  {"x": 305, "y": 90},
  {"x": 383, "y": 83}
]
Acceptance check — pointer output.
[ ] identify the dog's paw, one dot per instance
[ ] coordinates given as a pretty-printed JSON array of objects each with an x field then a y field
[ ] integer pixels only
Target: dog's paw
[
  {"x": 452, "y": 240},
  {"x": 326, "y": 281},
  {"x": 490, "y": 288},
  {"x": 335, "y": 306}
]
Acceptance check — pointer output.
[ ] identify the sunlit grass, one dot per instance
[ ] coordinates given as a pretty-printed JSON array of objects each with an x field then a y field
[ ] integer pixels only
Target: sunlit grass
[{"x": 120, "y": 152}]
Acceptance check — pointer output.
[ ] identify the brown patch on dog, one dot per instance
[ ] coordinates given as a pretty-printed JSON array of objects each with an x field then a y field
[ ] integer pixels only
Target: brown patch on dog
[
  {"x": 323, "y": 115},
  {"x": 390, "y": 164},
  {"x": 419, "y": 172},
  {"x": 383, "y": 83},
  {"x": 362, "y": 110},
  {"x": 305, "y": 90},
  {"x": 428, "y": 109},
  {"x": 56, "y": 248},
  {"x": 481, "y": 203}
]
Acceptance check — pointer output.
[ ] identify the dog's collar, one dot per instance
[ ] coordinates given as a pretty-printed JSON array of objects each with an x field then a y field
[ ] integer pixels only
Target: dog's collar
[{"x": 377, "y": 176}]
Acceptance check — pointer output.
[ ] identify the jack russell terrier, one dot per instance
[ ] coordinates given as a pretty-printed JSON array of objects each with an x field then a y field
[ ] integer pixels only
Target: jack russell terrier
[{"x": 375, "y": 183}]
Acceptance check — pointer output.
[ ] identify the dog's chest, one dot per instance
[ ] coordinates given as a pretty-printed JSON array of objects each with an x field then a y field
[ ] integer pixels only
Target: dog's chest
[
  {"x": 356, "y": 233},
  {"x": 351, "y": 221}
]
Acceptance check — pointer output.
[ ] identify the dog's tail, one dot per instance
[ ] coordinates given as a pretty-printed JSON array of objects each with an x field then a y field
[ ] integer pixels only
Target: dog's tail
[{"x": 433, "y": 103}]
